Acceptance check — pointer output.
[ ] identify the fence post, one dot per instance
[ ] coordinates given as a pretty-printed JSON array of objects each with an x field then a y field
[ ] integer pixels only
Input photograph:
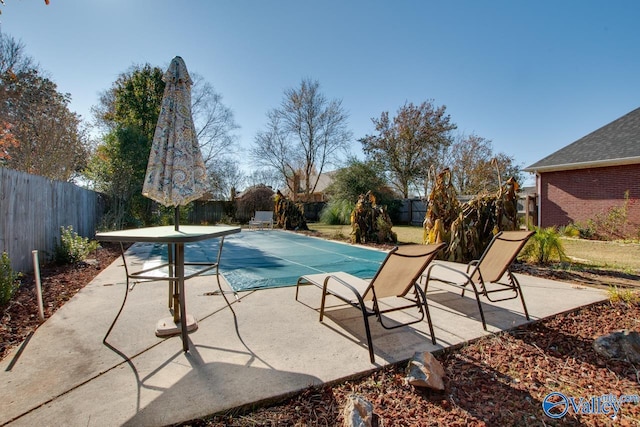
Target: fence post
[{"x": 36, "y": 269}]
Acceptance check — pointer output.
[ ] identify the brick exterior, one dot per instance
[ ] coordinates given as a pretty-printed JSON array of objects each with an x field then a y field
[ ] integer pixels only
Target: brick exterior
[{"x": 578, "y": 195}]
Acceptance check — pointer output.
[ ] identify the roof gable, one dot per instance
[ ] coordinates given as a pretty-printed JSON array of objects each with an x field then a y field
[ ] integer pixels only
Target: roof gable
[
  {"x": 615, "y": 143},
  {"x": 325, "y": 179}
]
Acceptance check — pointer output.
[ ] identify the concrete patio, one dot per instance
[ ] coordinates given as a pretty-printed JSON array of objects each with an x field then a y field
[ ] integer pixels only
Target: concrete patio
[{"x": 272, "y": 347}]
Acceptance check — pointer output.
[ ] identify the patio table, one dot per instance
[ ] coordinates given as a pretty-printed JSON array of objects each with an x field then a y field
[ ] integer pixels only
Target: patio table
[{"x": 175, "y": 241}]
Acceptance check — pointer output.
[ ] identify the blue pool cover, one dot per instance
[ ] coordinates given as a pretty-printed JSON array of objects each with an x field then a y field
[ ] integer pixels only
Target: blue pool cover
[{"x": 271, "y": 258}]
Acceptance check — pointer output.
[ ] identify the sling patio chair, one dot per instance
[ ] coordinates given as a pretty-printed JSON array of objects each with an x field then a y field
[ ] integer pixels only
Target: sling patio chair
[
  {"x": 397, "y": 276},
  {"x": 490, "y": 274},
  {"x": 262, "y": 219}
]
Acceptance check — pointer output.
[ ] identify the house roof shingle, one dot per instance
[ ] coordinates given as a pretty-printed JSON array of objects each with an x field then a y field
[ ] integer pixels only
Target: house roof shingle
[{"x": 613, "y": 144}]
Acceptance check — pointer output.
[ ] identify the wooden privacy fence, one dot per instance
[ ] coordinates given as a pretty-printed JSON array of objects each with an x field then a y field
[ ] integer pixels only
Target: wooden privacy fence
[
  {"x": 209, "y": 212},
  {"x": 412, "y": 211},
  {"x": 32, "y": 210}
]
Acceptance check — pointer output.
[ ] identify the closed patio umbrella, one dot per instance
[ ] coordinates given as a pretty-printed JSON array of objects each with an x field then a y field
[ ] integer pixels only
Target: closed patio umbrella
[{"x": 176, "y": 174}]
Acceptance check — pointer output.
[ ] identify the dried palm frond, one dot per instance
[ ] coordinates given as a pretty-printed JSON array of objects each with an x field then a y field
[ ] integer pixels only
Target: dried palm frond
[{"x": 468, "y": 227}]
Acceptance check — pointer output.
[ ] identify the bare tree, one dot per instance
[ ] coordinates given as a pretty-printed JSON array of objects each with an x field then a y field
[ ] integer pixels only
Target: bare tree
[
  {"x": 225, "y": 177},
  {"x": 13, "y": 57},
  {"x": 267, "y": 177},
  {"x": 474, "y": 166},
  {"x": 214, "y": 121},
  {"x": 272, "y": 150},
  {"x": 410, "y": 143},
  {"x": 468, "y": 159},
  {"x": 302, "y": 136}
]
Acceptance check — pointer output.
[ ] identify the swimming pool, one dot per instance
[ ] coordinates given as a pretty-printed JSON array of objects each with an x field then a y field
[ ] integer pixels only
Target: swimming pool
[{"x": 273, "y": 258}]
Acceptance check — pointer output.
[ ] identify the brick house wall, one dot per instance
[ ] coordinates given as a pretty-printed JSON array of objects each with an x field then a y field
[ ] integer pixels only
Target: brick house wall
[{"x": 578, "y": 195}]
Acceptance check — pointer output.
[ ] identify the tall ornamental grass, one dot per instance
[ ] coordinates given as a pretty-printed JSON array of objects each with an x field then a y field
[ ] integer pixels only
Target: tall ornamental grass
[{"x": 337, "y": 212}]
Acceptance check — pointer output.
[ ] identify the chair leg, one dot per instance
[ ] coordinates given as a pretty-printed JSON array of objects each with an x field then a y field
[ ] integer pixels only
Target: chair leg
[
  {"x": 475, "y": 291},
  {"x": 516, "y": 284},
  {"x": 297, "y": 288},
  {"x": 324, "y": 297},
  {"x": 515, "y": 287},
  {"x": 364, "y": 316},
  {"x": 524, "y": 306},
  {"x": 420, "y": 294},
  {"x": 368, "y": 332},
  {"x": 484, "y": 322}
]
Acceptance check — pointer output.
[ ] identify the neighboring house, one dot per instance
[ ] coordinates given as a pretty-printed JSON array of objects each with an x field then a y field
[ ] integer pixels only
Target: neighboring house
[
  {"x": 319, "y": 194},
  {"x": 591, "y": 175},
  {"x": 255, "y": 198}
]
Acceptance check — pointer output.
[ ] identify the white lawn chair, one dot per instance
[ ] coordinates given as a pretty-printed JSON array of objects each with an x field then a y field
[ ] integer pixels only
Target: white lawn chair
[{"x": 262, "y": 219}]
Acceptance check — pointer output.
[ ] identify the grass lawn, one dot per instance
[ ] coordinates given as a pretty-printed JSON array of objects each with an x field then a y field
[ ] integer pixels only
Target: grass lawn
[{"x": 612, "y": 255}]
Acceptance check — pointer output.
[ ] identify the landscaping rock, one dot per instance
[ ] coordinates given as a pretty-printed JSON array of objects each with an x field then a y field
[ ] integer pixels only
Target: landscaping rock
[
  {"x": 424, "y": 370},
  {"x": 358, "y": 412},
  {"x": 624, "y": 345}
]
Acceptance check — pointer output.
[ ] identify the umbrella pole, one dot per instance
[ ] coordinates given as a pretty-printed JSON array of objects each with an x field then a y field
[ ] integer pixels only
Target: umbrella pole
[{"x": 176, "y": 285}]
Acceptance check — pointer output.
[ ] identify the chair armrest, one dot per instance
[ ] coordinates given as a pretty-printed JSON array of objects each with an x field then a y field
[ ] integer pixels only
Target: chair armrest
[
  {"x": 427, "y": 275},
  {"x": 355, "y": 292},
  {"x": 473, "y": 263}
]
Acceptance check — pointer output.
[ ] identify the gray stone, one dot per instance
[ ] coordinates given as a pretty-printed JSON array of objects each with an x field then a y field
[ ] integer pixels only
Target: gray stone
[
  {"x": 424, "y": 370},
  {"x": 358, "y": 412},
  {"x": 623, "y": 345}
]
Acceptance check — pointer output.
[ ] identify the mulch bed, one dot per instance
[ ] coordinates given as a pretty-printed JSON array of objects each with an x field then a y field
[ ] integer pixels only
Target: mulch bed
[
  {"x": 501, "y": 379},
  {"x": 59, "y": 284}
]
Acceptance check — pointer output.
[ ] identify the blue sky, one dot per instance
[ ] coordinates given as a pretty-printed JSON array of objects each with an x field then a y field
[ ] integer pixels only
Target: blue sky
[{"x": 531, "y": 76}]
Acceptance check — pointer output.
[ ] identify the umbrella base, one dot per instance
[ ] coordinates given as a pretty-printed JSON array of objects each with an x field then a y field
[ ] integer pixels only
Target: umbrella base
[{"x": 167, "y": 327}]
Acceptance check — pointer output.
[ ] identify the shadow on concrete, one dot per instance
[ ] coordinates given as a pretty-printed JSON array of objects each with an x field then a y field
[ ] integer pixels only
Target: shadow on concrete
[{"x": 206, "y": 383}]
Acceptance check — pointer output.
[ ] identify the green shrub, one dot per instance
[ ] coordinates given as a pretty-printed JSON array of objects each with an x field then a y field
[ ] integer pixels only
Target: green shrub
[
  {"x": 586, "y": 230},
  {"x": 570, "y": 230},
  {"x": 9, "y": 283},
  {"x": 337, "y": 212},
  {"x": 73, "y": 248},
  {"x": 613, "y": 224},
  {"x": 544, "y": 246}
]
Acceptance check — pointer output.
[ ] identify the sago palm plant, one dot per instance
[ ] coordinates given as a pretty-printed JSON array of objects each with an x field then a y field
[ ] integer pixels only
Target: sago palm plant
[{"x": 544, "y": 246}]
